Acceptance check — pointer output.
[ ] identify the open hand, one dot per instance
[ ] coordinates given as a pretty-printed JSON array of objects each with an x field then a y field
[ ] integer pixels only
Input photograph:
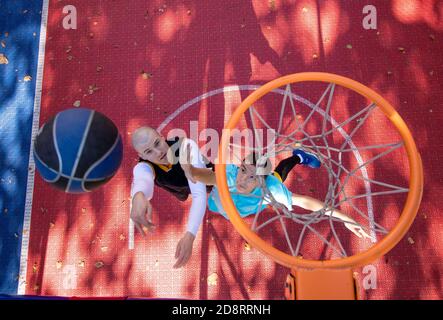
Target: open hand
[
  {"x": 184, "y": 250},
  {"x": 141, "y": 214},
  {"x": 357, "y": 230}
]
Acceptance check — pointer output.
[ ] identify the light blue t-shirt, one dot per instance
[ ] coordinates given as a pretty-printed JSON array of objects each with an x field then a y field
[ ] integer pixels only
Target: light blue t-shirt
[{"x": 247, "y": 204}]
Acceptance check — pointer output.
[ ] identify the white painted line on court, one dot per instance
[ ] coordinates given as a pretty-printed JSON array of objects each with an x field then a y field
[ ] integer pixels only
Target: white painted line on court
[{"x": 21, "y": 288}]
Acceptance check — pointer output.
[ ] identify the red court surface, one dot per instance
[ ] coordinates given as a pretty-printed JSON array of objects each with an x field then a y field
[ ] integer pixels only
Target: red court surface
[{"x": 140, "y": 61}]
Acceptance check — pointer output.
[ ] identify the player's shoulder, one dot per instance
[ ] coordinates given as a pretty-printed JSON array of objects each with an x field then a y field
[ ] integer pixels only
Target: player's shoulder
[
  {"x": 274, "y": 181},
  {"x": 187, "y": 141},
  {"x": 143, "y": 168},
  {"x": 231, "y": 168},
  {"x": 231, "y": 171}
]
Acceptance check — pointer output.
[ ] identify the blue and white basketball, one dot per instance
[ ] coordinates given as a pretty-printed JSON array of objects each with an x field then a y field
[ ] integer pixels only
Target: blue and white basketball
[{"x": 78, "y": 150}]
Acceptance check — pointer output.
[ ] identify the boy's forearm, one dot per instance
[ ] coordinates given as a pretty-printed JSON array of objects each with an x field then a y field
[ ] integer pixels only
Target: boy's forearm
[
  {"x": 312, "y": 204},
  {"x": 203, "y": 175}
]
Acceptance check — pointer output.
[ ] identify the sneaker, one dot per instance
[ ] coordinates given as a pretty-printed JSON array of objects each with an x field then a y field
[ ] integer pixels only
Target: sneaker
[{"x": 307, "y": 158}]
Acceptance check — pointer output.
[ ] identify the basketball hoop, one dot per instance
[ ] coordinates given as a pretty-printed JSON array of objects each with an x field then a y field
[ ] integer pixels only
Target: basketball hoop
[{"x": 338, "y": 181}]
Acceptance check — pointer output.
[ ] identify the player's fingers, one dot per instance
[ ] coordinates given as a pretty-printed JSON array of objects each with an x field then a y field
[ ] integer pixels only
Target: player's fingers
[
  {"x": 185, "y": 259},
  {"x": 356, "y": 232},
  {"x": 182, "y": 261},
  {"x": 179, "y": 262},
  {"x": 368, "y": 236},
  {"x": 178, "y": 250},
  {"x": 362, "y": 232},
  {"x": 151, "y": 227},
  {"x": 139, "y": 228}
]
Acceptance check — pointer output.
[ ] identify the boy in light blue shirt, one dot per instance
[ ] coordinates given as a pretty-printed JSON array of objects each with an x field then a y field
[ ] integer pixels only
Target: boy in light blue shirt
[{"x": 249, "y": 198}]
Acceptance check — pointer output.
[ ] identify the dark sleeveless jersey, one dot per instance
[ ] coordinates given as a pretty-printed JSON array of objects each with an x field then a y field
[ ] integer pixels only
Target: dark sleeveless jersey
[{"x": 172, "y": 178}]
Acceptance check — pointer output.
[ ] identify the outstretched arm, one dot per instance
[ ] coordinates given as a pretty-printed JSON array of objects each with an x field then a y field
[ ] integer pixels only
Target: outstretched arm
[
  {"x": 204, "y": 175},
  {"x": 141, "y": 192},
  {"x": 197, "y": 211},
  {"x": 313, "y": 204},
  {"x": 196, "y": 173}
]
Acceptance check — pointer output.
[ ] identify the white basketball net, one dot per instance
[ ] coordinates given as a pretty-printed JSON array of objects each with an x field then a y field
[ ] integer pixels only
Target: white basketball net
[{"x": 331, "y": 156}]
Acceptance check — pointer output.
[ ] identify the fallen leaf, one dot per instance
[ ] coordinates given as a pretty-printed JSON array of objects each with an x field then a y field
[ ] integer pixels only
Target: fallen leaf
[
  {"x": 411, "y": 241},
  {"x": 304, "y": 9},
  {"x": 401, "y": 49},
  {"x": 156, "y": 263},
  {"x": 314, "y": 56},
  {"x": 3, "y": 44},
  {"x": 247, "y": 246},
  {"x": 99, "y": 264},
  {"x": 349, "y": 46},
  {"x": 92, "y": 88},
  {"x": 146, "y": 75},
  {"x": 272, "y": 5},
  {"x": 104, "y": 249},
  {"x": 99, "y": 68},
  {"x": 3, "y": 59},
  {"x": 51, "y": 224},
  {"x": 35, "y": 267},
  {"x": 76, "y": 103},
  {"x": 83, "y": 210},
  {"x": 122, "y": 237},
  {"x": 59, "y": 264},
  {"x": 81, "y": 263},
  {"x": 27, "y": 78},
  {"x": 212, "y": 279}
]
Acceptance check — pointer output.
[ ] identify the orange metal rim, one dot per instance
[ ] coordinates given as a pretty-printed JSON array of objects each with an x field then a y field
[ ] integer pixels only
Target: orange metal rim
[{"x": 415, "y": 181}]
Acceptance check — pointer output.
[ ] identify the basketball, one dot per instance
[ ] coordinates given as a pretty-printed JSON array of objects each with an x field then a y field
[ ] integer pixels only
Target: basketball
[{"x": 78, "y": 150}]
